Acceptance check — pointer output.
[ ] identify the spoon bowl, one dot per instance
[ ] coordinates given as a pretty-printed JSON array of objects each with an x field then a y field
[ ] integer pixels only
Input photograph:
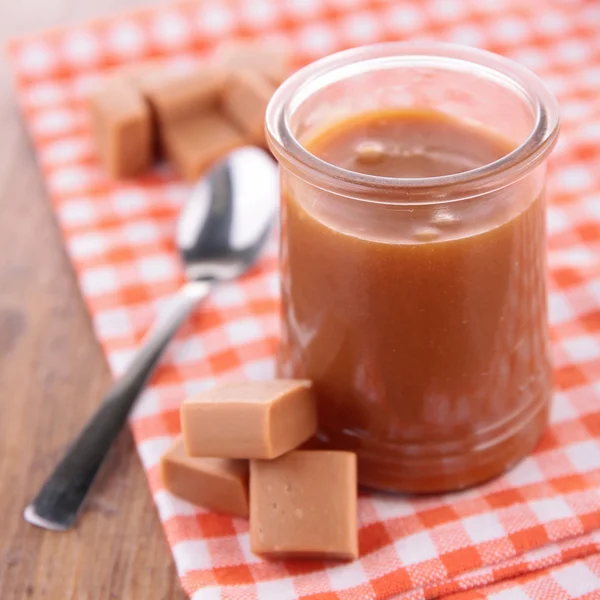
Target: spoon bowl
[{"x": 228, "y": 218}]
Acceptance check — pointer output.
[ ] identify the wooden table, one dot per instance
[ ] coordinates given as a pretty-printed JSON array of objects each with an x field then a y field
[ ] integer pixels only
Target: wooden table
[{"x": 52, "y": 375}]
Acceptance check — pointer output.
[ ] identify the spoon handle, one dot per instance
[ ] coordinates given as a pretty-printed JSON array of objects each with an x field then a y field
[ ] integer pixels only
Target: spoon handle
[{"x": 58, "y": 502}]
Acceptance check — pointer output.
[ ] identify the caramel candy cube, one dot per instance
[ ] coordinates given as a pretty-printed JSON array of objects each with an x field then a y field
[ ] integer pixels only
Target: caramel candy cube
[
  {"x": 256, "y": 419},
  {"x": 218, "y": 484},
  {"x": 271, "y": 61},
  {"x": 304, "y": 505},
  {"x": 245, "y": 98},
  {"x": 122, "y": 126},
  {"x": 177, "y": 96},
  {"x": 192, "y": 145}
]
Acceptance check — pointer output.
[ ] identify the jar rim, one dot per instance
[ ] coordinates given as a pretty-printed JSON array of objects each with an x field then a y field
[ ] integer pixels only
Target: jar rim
[{"x": 457, "y": 186}]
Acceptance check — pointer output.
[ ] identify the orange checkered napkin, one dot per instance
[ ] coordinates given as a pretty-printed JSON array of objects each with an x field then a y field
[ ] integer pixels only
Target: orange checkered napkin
[{"x": 119, "y": 235}]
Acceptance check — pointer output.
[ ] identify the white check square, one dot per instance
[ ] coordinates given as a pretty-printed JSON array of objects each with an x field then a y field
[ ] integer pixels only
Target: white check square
[
  {"x": 416, "y": 548},
  {"x": 584, "y": 456},
  {"x": 483, "y": 528},
  {"x": 577, "y": 580},
  {"x": 550, "y": 509},
  {"x": 344, "y": 576}
]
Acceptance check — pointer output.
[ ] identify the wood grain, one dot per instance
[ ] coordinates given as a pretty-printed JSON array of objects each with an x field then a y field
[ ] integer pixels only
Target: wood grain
[{"x": 52, "y": 375}]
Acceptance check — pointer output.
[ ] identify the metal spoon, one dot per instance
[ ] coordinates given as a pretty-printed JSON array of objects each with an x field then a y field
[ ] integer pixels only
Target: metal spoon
[{"x": 220, "y": 234}]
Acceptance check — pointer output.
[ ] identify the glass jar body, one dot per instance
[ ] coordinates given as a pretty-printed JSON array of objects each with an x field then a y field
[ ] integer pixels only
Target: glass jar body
[
  {"x": 429, "y": 359},
  {"x": 419, "y": 313}
]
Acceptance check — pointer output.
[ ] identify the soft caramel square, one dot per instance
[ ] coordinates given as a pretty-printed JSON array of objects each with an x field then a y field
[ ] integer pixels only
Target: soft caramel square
[
  {"x": 255, "y": 419},
  {"x": 246, "y": 95},
  {"x": 272, "y": 61},
  {"x": 177, "y": 96},
  {"x": 122, "y": 127},
  {"x": 304, "y": 505},
  {"x": 194, "y": 144},
  {"x": 215, "y": 483}
]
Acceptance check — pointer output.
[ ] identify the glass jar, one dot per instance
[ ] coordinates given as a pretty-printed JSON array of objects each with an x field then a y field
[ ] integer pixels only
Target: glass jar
[{"x": 418, "y": 305}]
